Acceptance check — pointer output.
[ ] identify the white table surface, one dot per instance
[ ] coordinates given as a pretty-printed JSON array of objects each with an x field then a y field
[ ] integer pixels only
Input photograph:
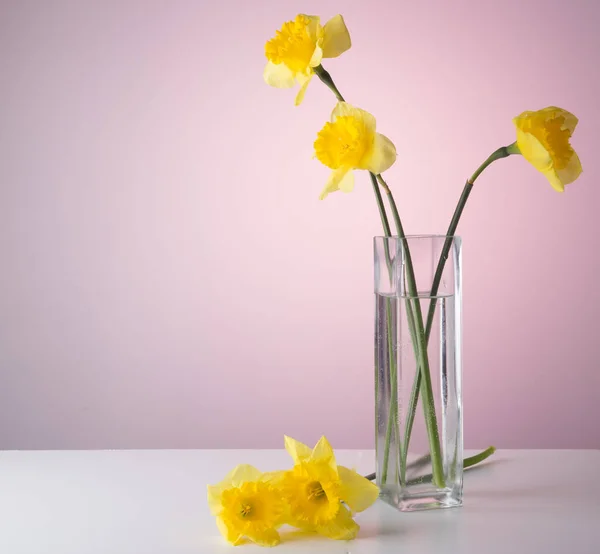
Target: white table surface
[{"x": 154, "y": 502}]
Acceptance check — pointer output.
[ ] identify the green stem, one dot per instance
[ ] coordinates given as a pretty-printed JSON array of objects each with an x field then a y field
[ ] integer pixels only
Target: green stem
[
  {"x": 380, "y": 205},
  {"x": 391, "y": 423},
  {"x": 388, "y": 309},
  {"x": 421, "y": 351},
  {"x": 326, "y": 78},
  {"x": 403, "y": 453},
  {"x": 414, "y": 396},
  {"x": 391, "y": 357},
  {"x": 498, "y": 154},
  {"x": 472, "y": 460},
  {"x": 467, "y": 463},
  {"x": 421, "y": 343},
  {"x": 502, "y": 152}
]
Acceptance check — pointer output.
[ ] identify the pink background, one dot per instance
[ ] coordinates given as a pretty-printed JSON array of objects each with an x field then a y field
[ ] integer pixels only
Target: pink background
[{"x": 169, "y": 278}]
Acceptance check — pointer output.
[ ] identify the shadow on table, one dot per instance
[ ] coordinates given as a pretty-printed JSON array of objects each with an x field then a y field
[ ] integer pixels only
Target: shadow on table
[
  {"x": 367, "y": 530},
  {"x": 508, "y": 494},
  {"x": 498, "y": 493},
  {"x": 386, "y": 529}
]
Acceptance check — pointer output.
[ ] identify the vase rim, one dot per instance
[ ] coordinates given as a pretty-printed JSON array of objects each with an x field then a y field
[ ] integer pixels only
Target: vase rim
[{"x": 422, "y": 236}]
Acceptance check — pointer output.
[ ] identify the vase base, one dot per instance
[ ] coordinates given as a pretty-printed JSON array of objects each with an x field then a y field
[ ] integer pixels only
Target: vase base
[{"x": 418, "y": 501}]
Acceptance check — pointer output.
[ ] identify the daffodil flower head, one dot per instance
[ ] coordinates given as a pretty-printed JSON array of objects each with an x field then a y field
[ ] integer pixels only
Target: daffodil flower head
[
  {"x": 543, "y": 139},
  {"x": 248, "y": 505},
  {"x": 321, "y": 495},
  {"x": 350, "y": 142},
  {"x": 299, "y": 47}
]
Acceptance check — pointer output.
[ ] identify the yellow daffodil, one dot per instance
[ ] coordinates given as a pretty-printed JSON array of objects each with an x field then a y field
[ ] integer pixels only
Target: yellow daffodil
[
  {"x": 298, "y": 48},
  {"x": 543, "y": 139},
  {"x": 321, "y": 495},
  {"x": 350, "y": 142},
  {"x": 247, "y": 505}
]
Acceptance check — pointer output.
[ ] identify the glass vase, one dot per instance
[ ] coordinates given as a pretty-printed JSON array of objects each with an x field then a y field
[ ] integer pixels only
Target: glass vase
[{"x": 418, "y": 401}]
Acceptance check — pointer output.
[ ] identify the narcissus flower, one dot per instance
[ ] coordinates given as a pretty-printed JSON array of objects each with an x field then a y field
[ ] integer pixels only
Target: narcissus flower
[
  {"x": 543, "y": 139},
  {"x": 247, "y": 505},
  {"x": 321, "y": 495},
  {"x": 298, "y": 48},
  {"x": 350, "y": 142}
]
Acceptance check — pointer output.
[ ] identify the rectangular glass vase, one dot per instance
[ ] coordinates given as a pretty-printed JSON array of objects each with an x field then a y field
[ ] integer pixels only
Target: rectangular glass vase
[{"x": 418, "y": 401}]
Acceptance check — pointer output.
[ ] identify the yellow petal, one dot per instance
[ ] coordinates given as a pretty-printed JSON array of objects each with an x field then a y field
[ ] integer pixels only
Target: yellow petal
[
  {"x": 342, "y": 177},
  {"x": 316, "y": 58},
  {"x": 345, "y": 109},
  {"x": 322, "y": 452},
  {"x": 297, "y": 450},
  {"x": 267, "y": 537},
  {"x": 573, "y": 170},
  {"x": 279, "y": 75},
  {"x": 230, "y": 535},
  {"x": 570, "y": 120},
  {"x": 314, "y": 26},
  {"x": 381, "y": 156},
  {"x": 347, "y": 183},
  {"x": 237, "y": 476},
  {"x": 214, "y": 499},
  {"x": 343, "y": 527},
  {"x": 356, "y": 491},
  {"x": 342, "y": 108},
  {"x": 315, "y": 32},
  {"x": 558, "y": 178},
  {"x": 273, "y": 477},
  {"x": 303, "y": 80},
  {"x": 336, "y": 38},
  {"x": 552, "y": 112},
  {"x": 241, "y": 474},
  {"x": 554, "y": 180},
  {"x": 535, "y": 153}
]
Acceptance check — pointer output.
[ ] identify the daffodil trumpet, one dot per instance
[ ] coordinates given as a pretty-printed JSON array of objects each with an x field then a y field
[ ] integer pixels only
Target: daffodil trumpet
[{"x": 248, "y": 506}]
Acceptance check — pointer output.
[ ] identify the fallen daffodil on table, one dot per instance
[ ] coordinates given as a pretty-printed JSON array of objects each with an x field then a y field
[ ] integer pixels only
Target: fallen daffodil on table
[
  {"x": 298, "y": 48},
  {"x": 315, "y": 495},
  {"x": 321, "y": 495}
]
